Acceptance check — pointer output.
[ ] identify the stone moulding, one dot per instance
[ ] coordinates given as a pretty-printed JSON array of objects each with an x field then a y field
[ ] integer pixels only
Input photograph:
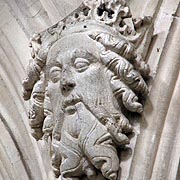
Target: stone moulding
[{"x": 86, "y": 74}]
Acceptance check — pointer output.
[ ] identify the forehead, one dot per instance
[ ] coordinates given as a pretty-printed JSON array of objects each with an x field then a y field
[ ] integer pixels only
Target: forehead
[{"x": 72, "y": 46}]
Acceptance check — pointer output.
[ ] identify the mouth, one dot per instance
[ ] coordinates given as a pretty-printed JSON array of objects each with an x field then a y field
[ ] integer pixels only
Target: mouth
[{"x": 69, "y": 103}]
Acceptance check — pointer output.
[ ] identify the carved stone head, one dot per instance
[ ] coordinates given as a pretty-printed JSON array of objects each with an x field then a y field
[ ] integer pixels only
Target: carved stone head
[{"x": 88, "y": 72}]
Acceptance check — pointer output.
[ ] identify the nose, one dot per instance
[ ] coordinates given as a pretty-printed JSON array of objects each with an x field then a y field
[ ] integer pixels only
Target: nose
[
  {"x": 67, "y": 86},
  {"x": 67, "y": 83}
]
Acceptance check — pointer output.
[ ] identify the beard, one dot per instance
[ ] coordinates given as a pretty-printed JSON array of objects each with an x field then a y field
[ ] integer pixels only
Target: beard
[
  {"x": 92, "y": 130},
  {"x": 86, "y": 145},
  {"x": 103, "y": 109}
]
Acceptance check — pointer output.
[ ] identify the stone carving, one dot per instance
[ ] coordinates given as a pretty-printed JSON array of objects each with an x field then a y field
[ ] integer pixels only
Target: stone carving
[{"x": 85, "y": 73}]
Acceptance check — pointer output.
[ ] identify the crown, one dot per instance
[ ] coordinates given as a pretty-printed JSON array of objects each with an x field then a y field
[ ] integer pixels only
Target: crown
[{"x": 114, "y": 14}]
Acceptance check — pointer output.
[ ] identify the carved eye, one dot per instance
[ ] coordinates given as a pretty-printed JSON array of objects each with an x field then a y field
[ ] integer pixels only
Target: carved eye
[
  {"x": 81, "y": 64},
  {"x": 55, "y": 74}
]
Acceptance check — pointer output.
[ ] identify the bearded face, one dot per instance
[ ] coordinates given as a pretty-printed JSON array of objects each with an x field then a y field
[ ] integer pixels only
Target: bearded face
[
  {"x": 80, "y": 75},
  {"x": 85, "y": 84},
  {"x": 76, "y": 73},
  {"x": 85, "y": 73}
]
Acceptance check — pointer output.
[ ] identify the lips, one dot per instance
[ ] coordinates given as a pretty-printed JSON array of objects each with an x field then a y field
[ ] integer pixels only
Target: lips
[{"x": 71, "y": 101}]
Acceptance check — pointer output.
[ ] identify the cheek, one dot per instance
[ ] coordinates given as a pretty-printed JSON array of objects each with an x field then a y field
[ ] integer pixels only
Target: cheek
[
  {"x": 93, "y": 83},
  {"x": 89, "y": 78},
  {"x": 54, "y": 93}
]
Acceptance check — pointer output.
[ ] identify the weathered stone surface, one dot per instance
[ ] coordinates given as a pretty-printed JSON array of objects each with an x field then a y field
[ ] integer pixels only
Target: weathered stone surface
[
  {"x": 86, "y": 74},
  {"x": 153, "y": 149}
]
